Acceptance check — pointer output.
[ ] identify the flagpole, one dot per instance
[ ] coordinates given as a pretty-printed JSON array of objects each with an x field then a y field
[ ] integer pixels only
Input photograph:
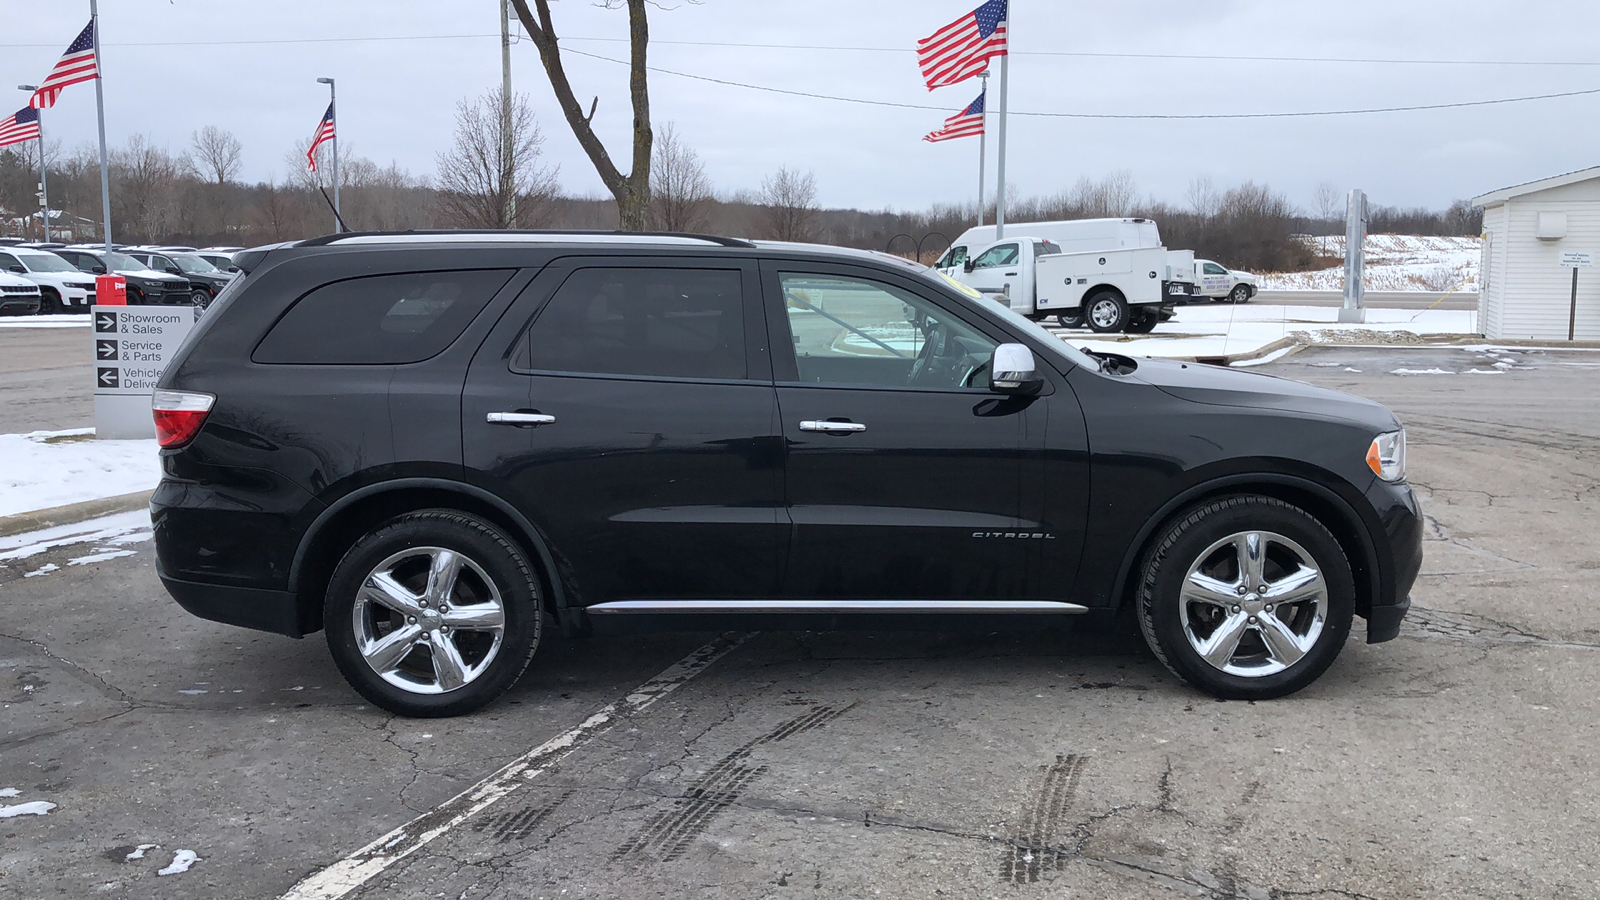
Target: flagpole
[
  {"x": 1000, "y": 176},
  {"x": 100, "y": 113},
  {"x": 983, "y": 139}
]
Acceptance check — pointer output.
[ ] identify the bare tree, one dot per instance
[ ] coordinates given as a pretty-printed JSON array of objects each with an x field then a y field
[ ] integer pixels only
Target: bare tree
[
  {"x": 217, "y": 154},
  {"x": 632, "y": 191},
  {"x": 145, "y": 183},
  {"x": 1329, "y": 200},
  {"x": 1204, "y": 201},
  {"x": 478, "y": 183},
  {"x": 680, "y": 192},
  {"x": 788, "y": 201}
]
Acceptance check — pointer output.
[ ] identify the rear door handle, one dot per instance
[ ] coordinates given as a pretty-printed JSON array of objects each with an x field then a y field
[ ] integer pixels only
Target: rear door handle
[
  {"x": 828, "y": 427},
  {"x": 520, "y": 418}
]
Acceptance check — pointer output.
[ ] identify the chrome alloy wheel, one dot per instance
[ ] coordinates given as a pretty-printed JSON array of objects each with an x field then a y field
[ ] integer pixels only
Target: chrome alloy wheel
[
  {"x": 1253, "y": 604},
  {"x": 429, "y": 620},
  {"x": 1104, "y": 313}
]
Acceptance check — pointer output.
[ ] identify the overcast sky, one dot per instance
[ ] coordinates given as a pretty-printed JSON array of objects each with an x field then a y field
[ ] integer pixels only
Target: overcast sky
[{"x": 173, "y": 66}]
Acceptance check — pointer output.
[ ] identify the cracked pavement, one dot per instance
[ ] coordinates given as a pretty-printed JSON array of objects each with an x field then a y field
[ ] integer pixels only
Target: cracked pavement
[{"x": 1456, "y": 761}]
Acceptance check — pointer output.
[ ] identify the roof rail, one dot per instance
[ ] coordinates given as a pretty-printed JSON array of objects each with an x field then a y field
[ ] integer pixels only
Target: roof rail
[{"x": 504, "y": 234}]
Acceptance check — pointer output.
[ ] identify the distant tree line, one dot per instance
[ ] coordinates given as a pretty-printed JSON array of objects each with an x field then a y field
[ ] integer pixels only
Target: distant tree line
[{"x": 487, "y": 179}]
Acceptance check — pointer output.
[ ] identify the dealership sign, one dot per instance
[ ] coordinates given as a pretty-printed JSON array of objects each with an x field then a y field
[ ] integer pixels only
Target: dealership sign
[{"x": 132, "y": 346}]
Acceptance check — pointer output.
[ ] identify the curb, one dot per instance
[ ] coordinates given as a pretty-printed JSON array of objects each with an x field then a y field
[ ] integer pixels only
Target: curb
[{"x": 71, "y": 513}]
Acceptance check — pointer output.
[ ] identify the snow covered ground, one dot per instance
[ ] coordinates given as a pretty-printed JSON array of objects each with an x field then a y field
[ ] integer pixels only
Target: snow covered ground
[
  {"x": 63, "y": 321},
  {"x": 43, "y": 469},
  {"x": 1395, "y": 262},
  {"x": 1229, "y": 330}
]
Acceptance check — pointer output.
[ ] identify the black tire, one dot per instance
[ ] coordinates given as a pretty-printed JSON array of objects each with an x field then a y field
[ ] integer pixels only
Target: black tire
[
  {"x": 1071, "y": 320},
  {"x": 1105, "y": 312},
  {"x": 1184, "y": 544},
  {"x": 1240, "y": 294},
  {"x": 200, "y": 297},
  {"x": 49, "y": 302},
  {"x": 1143, "y": 322},
  {"x": 494, "y": 567}
]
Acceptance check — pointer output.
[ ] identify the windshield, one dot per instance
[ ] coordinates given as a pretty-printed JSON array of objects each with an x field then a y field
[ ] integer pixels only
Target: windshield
[
  {"x": 193, "y": 264},
  {"x": 1072, "y": 354},
  {"x": 45, "y": 262}
]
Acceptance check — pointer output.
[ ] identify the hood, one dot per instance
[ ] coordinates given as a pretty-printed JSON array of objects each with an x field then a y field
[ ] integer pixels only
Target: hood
[
  {"x": 152, "y": 275},
  {"x": 10, "y": 279},
  {"x": 1221, "y": 386}
]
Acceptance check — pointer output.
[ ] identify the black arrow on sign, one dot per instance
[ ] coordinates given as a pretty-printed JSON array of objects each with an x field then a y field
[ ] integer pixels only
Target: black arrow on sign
[
  {"x": 109, "y": 378},
  {"x": 105, "y": 321},
  {"x": 105, "y": 349}
]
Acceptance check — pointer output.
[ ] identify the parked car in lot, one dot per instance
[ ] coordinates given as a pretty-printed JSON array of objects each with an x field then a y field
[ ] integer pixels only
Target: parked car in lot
[
  {"x": 146, "y": 287},
  {"x": 63, "y": 289},
  {"x": 1218, "y": 282},
  {"x": 205, "y": 279},
  {"x": 18, "y": 296},
  {"x": 424, "y": 443}
]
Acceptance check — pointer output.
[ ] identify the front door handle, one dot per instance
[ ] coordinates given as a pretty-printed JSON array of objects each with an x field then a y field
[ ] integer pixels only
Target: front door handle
[
  {"x": 1010, "y": 274},
  {"x": 520, "y": 419},
  {"x": 829, "y": 427}
]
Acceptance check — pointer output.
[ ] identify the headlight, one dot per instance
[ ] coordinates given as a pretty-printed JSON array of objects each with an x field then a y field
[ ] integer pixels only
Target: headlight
[{"x": 1387, "y": 456}]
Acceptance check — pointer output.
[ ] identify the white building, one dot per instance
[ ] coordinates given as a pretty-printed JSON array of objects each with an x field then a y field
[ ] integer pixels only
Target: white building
[{"x": 1524, "y": 292}]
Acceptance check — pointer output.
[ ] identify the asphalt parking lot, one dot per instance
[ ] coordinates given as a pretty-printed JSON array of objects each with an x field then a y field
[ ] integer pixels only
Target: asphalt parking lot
[{"x": 1457, "y": 761}]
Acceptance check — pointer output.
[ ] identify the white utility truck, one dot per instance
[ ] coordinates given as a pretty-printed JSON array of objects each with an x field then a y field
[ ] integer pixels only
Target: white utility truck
[
  {"x": 1218, "y": 281},
  {"x": 1107, "y": 290}
]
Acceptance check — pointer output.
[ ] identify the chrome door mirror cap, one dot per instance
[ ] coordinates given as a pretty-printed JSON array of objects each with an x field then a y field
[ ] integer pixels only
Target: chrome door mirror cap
[{"x": 1013, "y": 370}]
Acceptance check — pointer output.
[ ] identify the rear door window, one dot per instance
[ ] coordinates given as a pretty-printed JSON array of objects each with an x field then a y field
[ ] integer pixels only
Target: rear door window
[
  {"x": 380, "y": 320},
  {"x": 652, "y": 322}
]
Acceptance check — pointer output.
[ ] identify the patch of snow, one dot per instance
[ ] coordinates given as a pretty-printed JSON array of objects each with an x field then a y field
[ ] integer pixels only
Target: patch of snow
[
  {"x": 181, "y": 861},
  {"x": 34, "y": 808},
  {"x": 1476, "y": 371},
  {"x": 194, "y": 692},
  {"x": 1394, "y": 262},
  {"x": 1433, "y": 371},
  {"x": 1348, "y": 369},
  {"x": 9, "y": 792},
  {"x": 138, "y": 852},
  {"x": 38, "y": 473},
  {"x": 62, "y": 321},
  {"x": 96, "y": 531},
  {"x": 102, "y": 556},
  {"x": 42, "y": 570},
  {"x": 1277, "y": 354}
]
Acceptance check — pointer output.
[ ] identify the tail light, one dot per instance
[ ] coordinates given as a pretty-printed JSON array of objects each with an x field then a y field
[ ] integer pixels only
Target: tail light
[{"x": 179, "y": 415}]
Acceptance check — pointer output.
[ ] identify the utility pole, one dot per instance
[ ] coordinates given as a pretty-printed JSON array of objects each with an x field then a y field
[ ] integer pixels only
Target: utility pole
[
  {"x": 44, "y": 185},
  {"x": 508, "y": 172},
  {"x": 333, "y": 105},
  {"x": 100, "y": 113},
  {"x": 1000, "y": 175},
  {"x": 983, "y": 140}
]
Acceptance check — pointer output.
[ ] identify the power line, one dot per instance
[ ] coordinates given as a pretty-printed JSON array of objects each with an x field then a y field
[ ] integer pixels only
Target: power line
[
  {"x": 1066, "y": 54},
  {"x": 1067, "y": 115}
]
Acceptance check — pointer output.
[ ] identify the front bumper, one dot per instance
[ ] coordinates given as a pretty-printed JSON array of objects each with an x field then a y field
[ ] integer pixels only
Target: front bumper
[
  {"x": 19, "y": 304},
  {"x": 1399, "y": 557}
]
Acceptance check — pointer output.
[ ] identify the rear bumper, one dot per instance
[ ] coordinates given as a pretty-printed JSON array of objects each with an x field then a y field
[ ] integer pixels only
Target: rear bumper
[{"x": 262, "y": 610}]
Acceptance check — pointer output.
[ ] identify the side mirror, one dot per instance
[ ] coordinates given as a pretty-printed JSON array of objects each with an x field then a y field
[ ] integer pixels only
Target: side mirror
[
  {"x": 1012, "y": 370},
  {"x": 19, "y": 270},
  {"x": 97, "y": 270},
  {"x": 174, "y": 270},
  {"x": 233, "y": 269},
  {"x": 967, "y": 266}
]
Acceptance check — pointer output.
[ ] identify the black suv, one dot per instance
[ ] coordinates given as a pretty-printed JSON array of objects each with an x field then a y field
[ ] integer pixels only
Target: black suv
[
  {"x": 422, "y": 442},
  {"x": 145, "y": 286},
  {"x": 205, "y": 279}
]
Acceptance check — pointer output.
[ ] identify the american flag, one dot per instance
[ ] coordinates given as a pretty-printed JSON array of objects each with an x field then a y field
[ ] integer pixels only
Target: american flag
[
  {"x": 967, "y": 123},
  {"x": 23, "y": 125},
  {"x": 324, "y": 133},
  {"x": 76, "y": 66},
  {"x": 963, "y": 48}
]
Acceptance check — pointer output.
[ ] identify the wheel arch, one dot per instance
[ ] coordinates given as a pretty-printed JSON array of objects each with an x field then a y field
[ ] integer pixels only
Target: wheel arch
[
  {"x": 1336, "y": 513},
  {"x": 338, "y": 526}
]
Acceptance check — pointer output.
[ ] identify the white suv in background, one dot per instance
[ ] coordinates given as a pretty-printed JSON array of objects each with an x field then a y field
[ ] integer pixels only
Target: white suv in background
[{"x": 62, "y": 287}]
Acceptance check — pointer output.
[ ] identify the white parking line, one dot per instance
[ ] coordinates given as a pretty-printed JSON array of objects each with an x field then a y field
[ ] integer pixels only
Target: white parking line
[{"x": 355, "y": 870}]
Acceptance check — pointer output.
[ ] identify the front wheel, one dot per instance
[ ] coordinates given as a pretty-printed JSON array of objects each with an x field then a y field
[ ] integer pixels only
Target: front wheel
[
  {"x": 1106, "y": 313},
  {"x": 434, "y": 613},
  {"x": 1246, "y": 598},
  {"x": 200, "y": 298},
  {"x": 1071, "y": 320},
  {"x": 49, "y": 303},
  {"x": 1241, "y": 294}
]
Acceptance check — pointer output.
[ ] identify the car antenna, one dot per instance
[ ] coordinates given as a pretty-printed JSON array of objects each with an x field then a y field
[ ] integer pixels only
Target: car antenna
[{"x": 342, "y": 225}]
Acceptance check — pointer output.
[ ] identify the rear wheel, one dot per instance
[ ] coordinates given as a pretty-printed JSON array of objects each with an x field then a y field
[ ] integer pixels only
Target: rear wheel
[
  {"x": 434, "y": 613},
  {"x": 1246, "y": 598},
  {"x": 1106, "y": 312},
  {"x": 1143, "y": 322}
]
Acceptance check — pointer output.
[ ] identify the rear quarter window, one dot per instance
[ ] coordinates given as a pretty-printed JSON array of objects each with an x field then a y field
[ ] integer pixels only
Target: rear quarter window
[{"x": 380, "y": 319}]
